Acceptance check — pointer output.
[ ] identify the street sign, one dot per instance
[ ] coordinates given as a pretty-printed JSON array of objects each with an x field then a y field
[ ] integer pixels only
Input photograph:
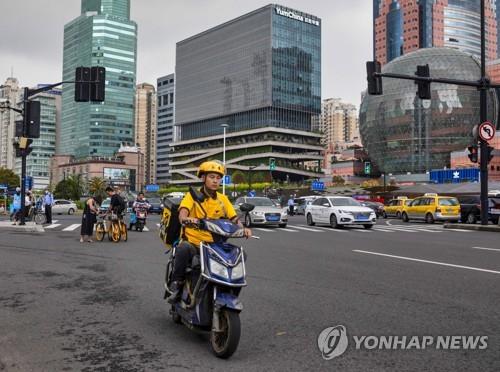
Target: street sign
[
  {"x": 234, "y": 194},
  {"x": 152, "y": 188},
  {"x": 486, "y": 131},
  {"x": 28, "y": 183},
  {"x": 317, "y": 186},
  {"x": 251, "y": 194},
  {"x": 227, "y": 180}
]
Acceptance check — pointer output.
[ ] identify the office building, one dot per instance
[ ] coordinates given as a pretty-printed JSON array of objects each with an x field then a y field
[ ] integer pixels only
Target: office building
[
  {"x": 403, "y": 26},
  {"x": 166, "y": 131},
  {"x": 145, "y": 128},
  {"x": 10, "y": 94},
  {"x": 103, "y": 35},
  {"x": 261, "y": 75}
]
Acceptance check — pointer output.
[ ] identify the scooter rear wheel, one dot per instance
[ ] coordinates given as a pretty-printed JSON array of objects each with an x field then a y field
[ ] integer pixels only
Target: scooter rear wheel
[{"x": 225, "y": 343}]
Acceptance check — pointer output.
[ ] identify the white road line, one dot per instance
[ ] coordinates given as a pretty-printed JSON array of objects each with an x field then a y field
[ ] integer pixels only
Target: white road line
[
  {"x": 459, "y": 230},
  {"x": 430, "y": 262},
  {"x": 266, "y": 230},
  {"x": 406, "y": 230},
  {"x": 289, "y": 230},
  {"x": 72, "y": 227},
  {"x": 360, "y": 230},
  {"x": 157, "y": 225},
  {"x": 487, "y": 249},
  {"x": 382, "y": 230},
  {"x": 55, "y": 221},
  {"x": 145, "y": 228},
  {"x": 305, "y": 228},
  {"x": 329, "y": 229},
  {"x": 54, "y": 225}
]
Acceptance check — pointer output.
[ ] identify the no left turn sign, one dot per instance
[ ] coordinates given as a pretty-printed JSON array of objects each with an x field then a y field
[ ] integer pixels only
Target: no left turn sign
[{"x": 486, "y": 131}]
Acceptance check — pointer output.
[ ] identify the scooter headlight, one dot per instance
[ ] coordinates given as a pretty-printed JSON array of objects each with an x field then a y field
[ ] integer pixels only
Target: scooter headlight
[
  {"x": 238, "y": 271},
  {"x": 218, "y": 269}
]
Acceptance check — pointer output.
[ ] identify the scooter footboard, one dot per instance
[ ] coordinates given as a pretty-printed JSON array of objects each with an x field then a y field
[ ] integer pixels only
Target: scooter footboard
[{"x": 228, "y": 300}]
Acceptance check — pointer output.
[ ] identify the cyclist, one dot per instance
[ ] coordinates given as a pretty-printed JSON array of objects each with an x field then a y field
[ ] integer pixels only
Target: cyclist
[
  {"x": 116, "y": 205},
  {"x": 216, "y": 206}
]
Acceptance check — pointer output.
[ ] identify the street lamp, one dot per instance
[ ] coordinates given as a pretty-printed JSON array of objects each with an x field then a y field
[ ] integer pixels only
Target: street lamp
[{"x": 224, "y": 126}]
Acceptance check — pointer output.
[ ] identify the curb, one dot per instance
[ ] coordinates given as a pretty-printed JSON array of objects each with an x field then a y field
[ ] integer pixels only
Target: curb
[
  {"x": 462, "y": 226},
  {"x": 29, "y": 227}
]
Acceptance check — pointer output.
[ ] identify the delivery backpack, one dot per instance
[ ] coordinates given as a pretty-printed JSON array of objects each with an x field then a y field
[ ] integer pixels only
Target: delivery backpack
[{"x": 170, "y": 227}]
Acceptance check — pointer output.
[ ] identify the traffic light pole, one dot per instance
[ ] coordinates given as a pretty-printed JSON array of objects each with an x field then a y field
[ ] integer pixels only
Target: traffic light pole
[
  {"x": 23, "y": 158},
  {"x": 483, "y": 165}
]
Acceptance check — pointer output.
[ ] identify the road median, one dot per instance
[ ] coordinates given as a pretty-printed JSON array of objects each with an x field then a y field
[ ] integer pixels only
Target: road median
[{"x": 464, "y": 226}]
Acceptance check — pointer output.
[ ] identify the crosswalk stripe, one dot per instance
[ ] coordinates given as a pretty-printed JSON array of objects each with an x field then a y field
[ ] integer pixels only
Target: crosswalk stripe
[
  {"x": 360, "y": 230},
  {"x": 54, "y": 225},
  {"x": 72, "y": 227},
  {"x": 330, "y": 229},
  {"x": 382, "y": 230},
  {"x": 145, "y": 228},
  {"x": 305, "y": 228},
  {"x": 459, "y": 230},
  {"x": 266, "y": 230},
  {"x": 289, "y": 230},
  {"x": 157, "y": 225}
]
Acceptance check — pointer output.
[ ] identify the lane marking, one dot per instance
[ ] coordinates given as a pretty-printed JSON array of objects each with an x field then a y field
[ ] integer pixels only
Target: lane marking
[
  {"x": 306, "y": 228},
  {"x": 54, "y": 225},
  {"x": 459, "y": 230},
  {"x": 427, "y": 261},
  {"x": 382, "y": 230},
  {"x": 145, "y": 228},
  {"x": 261, "y": 229},
  {"x": 487, "y": 249},
  {"x": 329, "y": 229},
  {"x": 289, "y": 230},
  {"x": 388, "y": 223},
  {"x": 360, "y": 230},
  {"x": 157, "y": 225},
  {"x": 72, "y": 227}
]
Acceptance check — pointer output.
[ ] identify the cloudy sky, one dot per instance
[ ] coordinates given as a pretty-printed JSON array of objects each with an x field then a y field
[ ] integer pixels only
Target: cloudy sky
[{"x": 32, "y": 37}]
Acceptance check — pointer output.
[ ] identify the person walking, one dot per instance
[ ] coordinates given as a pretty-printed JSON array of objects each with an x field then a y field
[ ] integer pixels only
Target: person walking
[
  {"x": 48, "y": 202},
  {"x": 290, "y": 206},
  {"x": 16, "y": 206},
  {"x": 89, "y": 218}
]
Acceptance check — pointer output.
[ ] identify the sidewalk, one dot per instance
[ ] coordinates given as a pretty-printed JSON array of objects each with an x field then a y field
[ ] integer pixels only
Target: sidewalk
[
  {"x": 29, "y": 227},
  {"x": 476, "y": 227}
]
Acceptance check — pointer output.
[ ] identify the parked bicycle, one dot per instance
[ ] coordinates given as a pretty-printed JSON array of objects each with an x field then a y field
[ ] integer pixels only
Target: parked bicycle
[{"x": 117, "y": 230}]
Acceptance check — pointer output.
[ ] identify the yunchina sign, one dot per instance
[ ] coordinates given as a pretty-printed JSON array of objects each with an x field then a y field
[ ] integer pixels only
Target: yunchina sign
[{"x": 298, "y": 17}]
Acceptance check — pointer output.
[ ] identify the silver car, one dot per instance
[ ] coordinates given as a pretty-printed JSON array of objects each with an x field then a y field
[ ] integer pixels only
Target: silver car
[
  {"x": 64, "y": 207},
  {"x": 264, "y": 213}
]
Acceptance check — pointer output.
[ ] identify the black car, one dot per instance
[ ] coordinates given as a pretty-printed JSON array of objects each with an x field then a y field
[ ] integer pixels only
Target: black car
[
  {"x": 156, "y": 205},
  {"x": 377, "y": 207},
  {"x": 470, "y": 208}
]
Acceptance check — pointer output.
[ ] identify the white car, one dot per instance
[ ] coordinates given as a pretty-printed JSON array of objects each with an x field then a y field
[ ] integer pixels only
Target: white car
[
  {"x": 63, "y": 207},
  {"x": 338, "y": 211},
  {"x": 264, "y": 213}
]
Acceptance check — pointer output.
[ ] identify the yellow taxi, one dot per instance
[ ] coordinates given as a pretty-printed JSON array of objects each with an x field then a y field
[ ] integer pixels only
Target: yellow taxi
[
  {"x": 395, "y": 207},
  {"x": 432, "y": 207}
]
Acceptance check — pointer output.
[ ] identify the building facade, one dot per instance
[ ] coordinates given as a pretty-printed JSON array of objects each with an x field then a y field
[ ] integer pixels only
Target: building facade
[
  {"x": 338, "y": 123},
  {"x": 10, "y": 93},
  {"x": 261, "y": 75},
  {"x": 165, "y": 86},
  {"x": 403, "y": 133},
  {"x": 403, "y": 26},
  {"x": 103, "y": 35},
  {"x": 124, "y": 169},
  {"x": 146, "y": 128},
  {"x": 38, "y": 161}
]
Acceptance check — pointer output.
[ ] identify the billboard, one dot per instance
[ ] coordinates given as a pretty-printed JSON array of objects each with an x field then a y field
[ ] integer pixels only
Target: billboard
[{"x": 118, "y": 174}]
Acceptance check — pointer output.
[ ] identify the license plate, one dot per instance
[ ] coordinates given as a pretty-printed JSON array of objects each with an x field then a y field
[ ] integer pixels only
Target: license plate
[
  {"x": 361, "y": 217},
  {"x": 273, "y": 218},
  {"x": 495, "y": 211}
]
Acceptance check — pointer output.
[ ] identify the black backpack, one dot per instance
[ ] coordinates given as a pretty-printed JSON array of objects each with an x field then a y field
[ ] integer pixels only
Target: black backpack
[{"x": 123, "y": 205}]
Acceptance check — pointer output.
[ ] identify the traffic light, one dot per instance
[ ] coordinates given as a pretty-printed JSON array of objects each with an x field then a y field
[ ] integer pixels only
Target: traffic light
[
  {"x": 272, "y": 163},
  {"x": 489, "y": 153},
  {"x": 473, "y": 154},
  {"x": 23, "y": 146},
  {"x": 374, "y": 82},
  {"x": 368, "y": 167},
  {"x": 424, "y": 88},
  {"x": 97, "y": 85},
  {"x": 82, "y": 84},
  {"x": 33, "y": 119}
]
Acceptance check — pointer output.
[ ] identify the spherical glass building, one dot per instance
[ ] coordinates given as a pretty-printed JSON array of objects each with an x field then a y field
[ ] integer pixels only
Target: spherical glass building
[{"x": 403, "y": 133}]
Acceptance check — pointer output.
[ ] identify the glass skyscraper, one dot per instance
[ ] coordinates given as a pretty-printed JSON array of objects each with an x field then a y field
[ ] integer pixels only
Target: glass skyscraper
[
  {"x": 103, "y": 35},
  {"x": 261, "y": 75},
  {"x": 165, "y": 135}
]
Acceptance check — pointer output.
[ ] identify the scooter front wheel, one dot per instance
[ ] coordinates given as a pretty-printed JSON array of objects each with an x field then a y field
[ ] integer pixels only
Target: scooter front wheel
[{"x": 225, "y": 342}]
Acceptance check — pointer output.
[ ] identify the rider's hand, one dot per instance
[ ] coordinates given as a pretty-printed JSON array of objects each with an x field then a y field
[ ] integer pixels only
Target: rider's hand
[
  {"x": 247, "y": 233},
  {"x": 191, "y": 220}
]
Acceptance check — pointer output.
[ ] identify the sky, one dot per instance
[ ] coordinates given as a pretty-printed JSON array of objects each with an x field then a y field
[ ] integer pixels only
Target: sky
[{"x": 32, "y": 37}]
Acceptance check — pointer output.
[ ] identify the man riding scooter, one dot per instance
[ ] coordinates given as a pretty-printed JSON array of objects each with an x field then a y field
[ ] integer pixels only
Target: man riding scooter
[
  {"x": 140, "y": 211},
  {"x": 216, "y": 206}
]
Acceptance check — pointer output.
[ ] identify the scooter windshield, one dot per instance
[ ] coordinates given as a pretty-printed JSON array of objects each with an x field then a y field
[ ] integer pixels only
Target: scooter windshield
[{"x": 223, "y": 227}]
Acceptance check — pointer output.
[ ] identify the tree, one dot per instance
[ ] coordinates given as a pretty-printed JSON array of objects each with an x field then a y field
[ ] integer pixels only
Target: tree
[
  {"x": 338, "y": 180},
  {"x": 9, "y": 178},
  {"x": 97, "y": 187},
  {"x": 238, "y": 177},
  {"x": 70, "y": 188}
]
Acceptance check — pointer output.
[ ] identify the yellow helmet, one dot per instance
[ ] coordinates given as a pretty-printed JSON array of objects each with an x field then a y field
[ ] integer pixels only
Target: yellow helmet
[{"x": 210, "y": 167}]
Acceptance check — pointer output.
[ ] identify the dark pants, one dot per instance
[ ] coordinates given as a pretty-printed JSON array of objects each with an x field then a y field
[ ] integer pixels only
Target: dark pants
[
  {"x": 290, "y": 210},
  {"x": 184, "y": 253},
  {"x": 48, "y": 214}
]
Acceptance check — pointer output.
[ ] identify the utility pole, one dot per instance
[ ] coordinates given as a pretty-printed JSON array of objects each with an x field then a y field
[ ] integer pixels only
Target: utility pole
[{"x": 483, "y": 89}]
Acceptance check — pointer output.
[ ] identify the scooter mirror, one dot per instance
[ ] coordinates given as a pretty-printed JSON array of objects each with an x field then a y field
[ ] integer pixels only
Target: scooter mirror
[{"x": 245, "y": 207}]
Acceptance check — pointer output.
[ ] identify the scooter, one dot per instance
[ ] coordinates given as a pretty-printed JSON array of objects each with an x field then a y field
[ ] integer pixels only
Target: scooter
[
  {"x": 140, "y": 219},
  {"x": 209, "y": 301}
]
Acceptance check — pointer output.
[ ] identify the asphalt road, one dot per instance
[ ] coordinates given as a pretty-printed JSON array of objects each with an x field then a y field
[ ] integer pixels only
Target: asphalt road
[{"x": 98, "y": 307}]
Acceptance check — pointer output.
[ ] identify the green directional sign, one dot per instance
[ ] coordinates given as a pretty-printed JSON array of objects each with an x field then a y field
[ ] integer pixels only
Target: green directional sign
[{"x": 272, "y": 164}]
